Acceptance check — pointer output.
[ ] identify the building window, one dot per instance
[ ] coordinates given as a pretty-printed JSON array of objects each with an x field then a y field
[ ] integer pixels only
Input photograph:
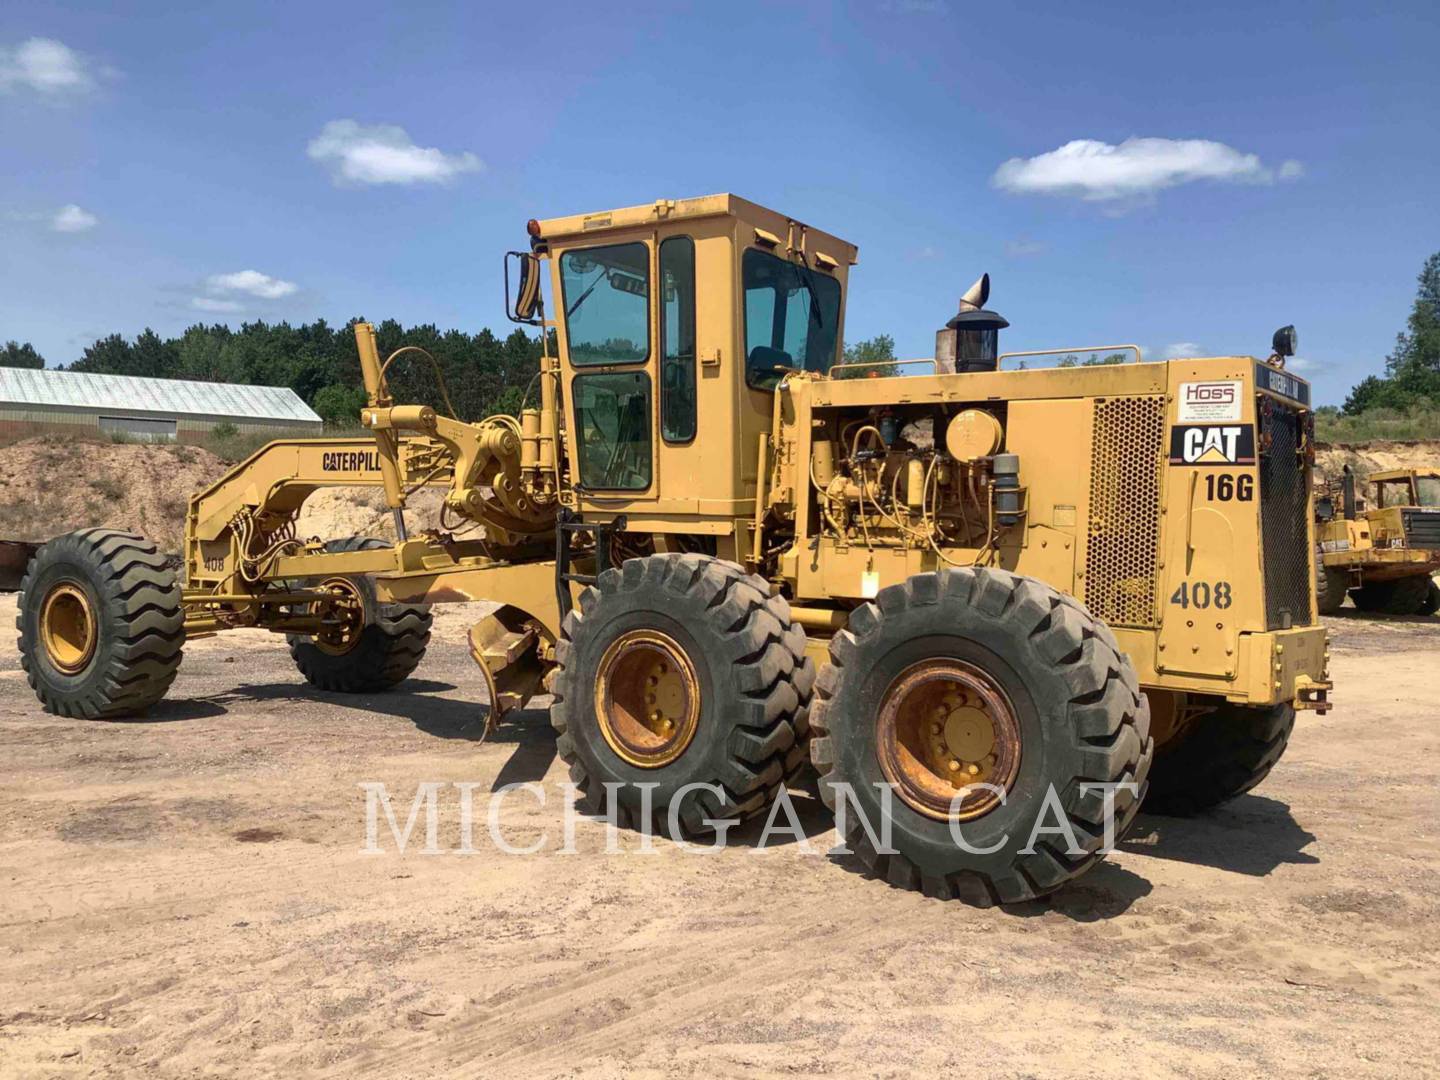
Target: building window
[{"x": 139, "y": 428}]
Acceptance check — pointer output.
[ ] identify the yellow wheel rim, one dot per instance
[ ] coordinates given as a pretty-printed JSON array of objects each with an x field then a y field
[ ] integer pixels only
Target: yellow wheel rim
[
  {"x": 343, "y": 616},
  {"x": 944, "y": 725},
  {"x": 647, "y": 698},
  {"x": 68, "y": 627}
]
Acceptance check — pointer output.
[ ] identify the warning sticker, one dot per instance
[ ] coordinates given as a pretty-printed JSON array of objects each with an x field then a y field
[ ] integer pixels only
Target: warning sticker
[{"x": 1202, "y": 402}]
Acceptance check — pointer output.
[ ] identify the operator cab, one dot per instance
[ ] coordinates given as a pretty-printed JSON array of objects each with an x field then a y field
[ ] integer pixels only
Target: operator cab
[{"x": 676, "y": 321}]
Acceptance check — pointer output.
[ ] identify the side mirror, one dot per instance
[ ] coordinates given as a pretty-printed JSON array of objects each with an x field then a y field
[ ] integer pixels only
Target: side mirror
[
  {"x": 1285, "y": 341},
  {"x": 527, "y": 306}
]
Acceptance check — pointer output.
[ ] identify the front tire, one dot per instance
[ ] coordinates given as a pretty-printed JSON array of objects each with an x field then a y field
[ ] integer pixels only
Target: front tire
[
  {"x": 383, "y": 648},
  {"x": 101, "y": 625},
  {"x": 1224, "y": 754},
  {"x": 677, "y": 670},
  {"x": 1064, "y": 711}
]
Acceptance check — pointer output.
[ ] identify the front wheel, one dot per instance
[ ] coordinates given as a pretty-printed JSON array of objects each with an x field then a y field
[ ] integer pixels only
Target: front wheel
[
  {"x": 365, "y": 646},
  {"x": 994, "y": 711},
  {"x": 101, "y": 624}
]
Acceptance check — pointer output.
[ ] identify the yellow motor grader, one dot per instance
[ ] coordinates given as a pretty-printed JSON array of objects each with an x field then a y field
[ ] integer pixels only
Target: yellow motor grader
[{"x": 958, "y": 590}]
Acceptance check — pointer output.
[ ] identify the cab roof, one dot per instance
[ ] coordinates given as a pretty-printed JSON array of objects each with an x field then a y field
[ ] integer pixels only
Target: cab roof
[{"x": 769, "y": 224}]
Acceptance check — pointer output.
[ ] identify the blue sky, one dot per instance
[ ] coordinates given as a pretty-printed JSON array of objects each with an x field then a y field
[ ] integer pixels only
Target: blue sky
[{"x": 1188, "y": 178}]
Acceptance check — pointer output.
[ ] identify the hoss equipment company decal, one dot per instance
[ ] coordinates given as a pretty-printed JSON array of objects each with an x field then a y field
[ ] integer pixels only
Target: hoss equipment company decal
[{"x": 1216, "y": 401}]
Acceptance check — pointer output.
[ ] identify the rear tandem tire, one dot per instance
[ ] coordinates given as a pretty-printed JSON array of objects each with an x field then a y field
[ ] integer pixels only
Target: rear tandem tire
[
  {"x": 116, "y": 624},
  {"x": 388, "y": 650},
  {"x": 1224, "y": 754},
  {"x": 745, "y": 733},
  {"x": 1079, "y": 720},
  {"x": 1330, "y": 586},
  {"x": 1401, "y": 596},
  {"x": 1431, "y": 604}
]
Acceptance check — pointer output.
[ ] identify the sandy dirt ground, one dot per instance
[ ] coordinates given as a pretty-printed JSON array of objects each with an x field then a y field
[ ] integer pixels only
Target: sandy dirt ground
[{"x": 189, "y": 896}]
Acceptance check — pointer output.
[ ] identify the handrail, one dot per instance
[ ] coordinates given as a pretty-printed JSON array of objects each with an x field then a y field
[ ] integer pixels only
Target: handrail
[
  {"x": 1071, "y": 349},
  {"x": 887, "y": 363}
]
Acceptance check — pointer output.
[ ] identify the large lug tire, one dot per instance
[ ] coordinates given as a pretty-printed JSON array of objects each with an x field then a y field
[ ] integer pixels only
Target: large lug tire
[
  {"x": 1224, "y": 754},
  {"x": 385, "y": 652},
  {"x": 101, "y": 624},
  {"x": 1076, "y": 717},
  {"x": 1402, "y": 596},
  {"x": 1431, "y": 603},
  {"x": 1330, "y": 586},
  {"x": 734, "y": 686}
]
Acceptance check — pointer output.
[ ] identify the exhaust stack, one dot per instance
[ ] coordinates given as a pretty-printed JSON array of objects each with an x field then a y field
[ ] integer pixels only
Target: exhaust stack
[{"x": 970, "y": 341}]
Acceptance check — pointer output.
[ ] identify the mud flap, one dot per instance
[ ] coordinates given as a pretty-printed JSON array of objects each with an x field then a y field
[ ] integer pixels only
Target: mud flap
[{"x": 510, "y": 646}]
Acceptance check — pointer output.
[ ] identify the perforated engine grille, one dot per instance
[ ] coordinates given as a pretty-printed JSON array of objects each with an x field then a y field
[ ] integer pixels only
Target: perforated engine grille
[{"x": 1124, "y": 529}]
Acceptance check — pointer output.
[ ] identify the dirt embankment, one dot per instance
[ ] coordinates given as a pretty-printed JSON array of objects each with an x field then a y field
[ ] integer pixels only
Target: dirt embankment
[
  {"x": 52, "y": 485},
  {"x": 1365, "y": 458}
]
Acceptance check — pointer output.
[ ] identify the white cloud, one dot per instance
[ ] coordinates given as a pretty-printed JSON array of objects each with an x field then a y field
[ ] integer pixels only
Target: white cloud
[
  {"x": 1309, "y": 368},
  {"x": 1019, "y": 249},
  {"x": 71, "y": 219},
  {"x": 384, "y": 154},
  {"x": 209, "y": 303},
  {"x": 1180, "y": 350},
  {"x": 47, "y": 66},
  {"x": 924, "y": 254},
  {"x": 1135, "y": 170},
  {"x": 251, "y": 283}
]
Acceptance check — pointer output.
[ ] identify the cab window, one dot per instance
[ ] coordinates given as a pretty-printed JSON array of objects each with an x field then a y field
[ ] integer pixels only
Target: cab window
[
  {"x": 792, "y": 315},
  {"x": 612, "y": 422},
  {"x": 606, "y": 291},
  {"x": 677, "y": 339}
]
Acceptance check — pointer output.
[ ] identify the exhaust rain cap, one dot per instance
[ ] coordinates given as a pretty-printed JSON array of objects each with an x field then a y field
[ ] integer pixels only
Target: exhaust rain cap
[{"x": 976, "y": 329}]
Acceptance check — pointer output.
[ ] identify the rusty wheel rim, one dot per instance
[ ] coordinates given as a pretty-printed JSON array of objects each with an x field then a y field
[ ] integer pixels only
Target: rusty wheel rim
[
  {"x": 68, "y": 629},
  {"x": 945, "y": 725},
  {"x": 343, "y": 616},
  {"x": 647, "y": 698}
]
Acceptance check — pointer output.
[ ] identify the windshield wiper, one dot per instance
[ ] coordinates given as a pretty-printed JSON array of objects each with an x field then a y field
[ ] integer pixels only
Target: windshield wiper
[{"x": 604, "y": 276}]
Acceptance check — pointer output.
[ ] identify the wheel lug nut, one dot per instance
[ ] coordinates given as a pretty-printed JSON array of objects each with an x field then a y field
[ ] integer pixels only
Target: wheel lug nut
[
  {"x": 954, "y": 765},
  {"x": 934, "y": 729},
  {"x": 974, "y": 770}
]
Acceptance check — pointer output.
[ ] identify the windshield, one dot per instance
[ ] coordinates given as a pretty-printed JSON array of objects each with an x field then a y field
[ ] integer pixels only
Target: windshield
[
  {"x": 792, "y": 318},
  {"x": 1394, "y": 493},
  {"x": 607, "y": 303}
]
